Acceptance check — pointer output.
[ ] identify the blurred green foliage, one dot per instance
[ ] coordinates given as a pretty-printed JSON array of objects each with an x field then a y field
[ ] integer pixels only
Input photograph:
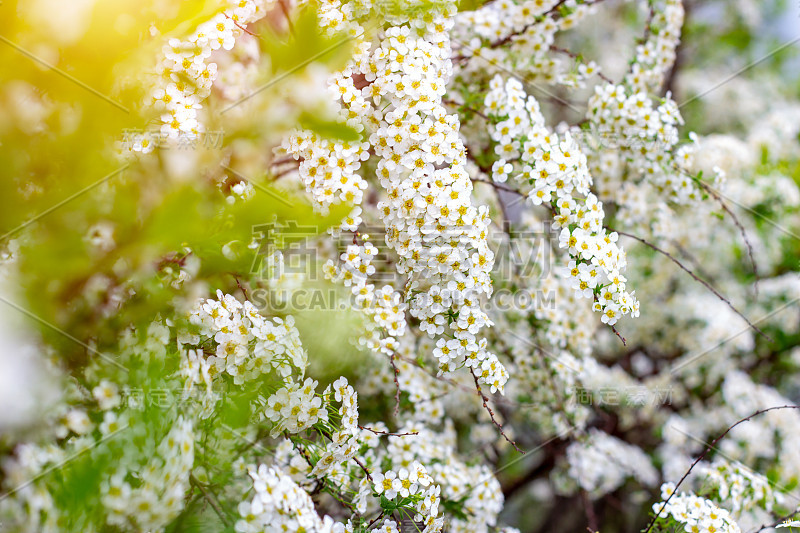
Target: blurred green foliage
[
  {"x": 62, "y": 175},
  {"x": 65, "y": 104}
]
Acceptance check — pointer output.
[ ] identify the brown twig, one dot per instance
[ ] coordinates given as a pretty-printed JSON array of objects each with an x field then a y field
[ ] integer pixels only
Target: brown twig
[
  {"x": 614, "y": 329},
  {"x": 553, "y": 12},
  {"x": 364, "y": 468},
  {"x": 491, "y": 413},
  {"x": 591, "y": 516},
  {"x": 300, "y": 448},
  {"x": 282, "y": 160},
  {"x": 499, "y": 186},
  {"x": 375, "y": 520},
  {"x": 276, "y": 175},
  {"x": 239, "y": 284},
  {"x": 396, "y": 384},
  {"x": 618, "y": 335},
  {"x": 379, "y": 432},
  {"x": 706, "y": 187},
  {"x": 240, "y": 26},
  {"x": 691, "y": 258}
]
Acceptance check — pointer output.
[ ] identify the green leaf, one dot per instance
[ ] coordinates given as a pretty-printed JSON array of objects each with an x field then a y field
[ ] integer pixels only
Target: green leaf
[
  {"x": 305, "y": 45},
  {"x": 387, "y": 504},
  {"x": 198, "y": 517},
  {"x": 329, "y": 129},
  {"x": 470, "y": 5}
]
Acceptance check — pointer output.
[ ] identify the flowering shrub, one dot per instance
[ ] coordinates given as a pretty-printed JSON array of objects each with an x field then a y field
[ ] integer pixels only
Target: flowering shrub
[{"x": 371, "y": 265}]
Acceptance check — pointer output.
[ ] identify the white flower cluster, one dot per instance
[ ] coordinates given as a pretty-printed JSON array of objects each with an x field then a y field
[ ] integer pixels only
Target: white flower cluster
[
  {"x": 439, "y": 236},
  {"x": 528, "y": 30},
  {"x": 696, "y": 513},
  {"x": 403, "y": 482},
  {"x": 384, "y": 307},
  {"x": 555, "y": 173},
  {"x": 328, "y": 172},
  {"x": 502, "y": 19},
  {"x": 475, "y": 485},
  {"x": 603, "y": 463},
  {"x": 740, "y": 485},
  {"x": 247, "y": 344},
  {"x": 295, "y": 407},
  {"x": 164, "y": 480},
  {"x": 186, "y": 78},
  {"x": 415, "y": 483},
  {"x": 345, "y": 442},
  {"x": 655, "y": 57},
  {"x": 647, "y": 135},
  {"x": 279, "y": 504}
]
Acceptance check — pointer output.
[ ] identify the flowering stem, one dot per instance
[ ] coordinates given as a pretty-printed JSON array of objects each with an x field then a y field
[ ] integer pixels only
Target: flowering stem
[
  {"x": 705, "y": 452},
  {"x": 491, "y": 413}
]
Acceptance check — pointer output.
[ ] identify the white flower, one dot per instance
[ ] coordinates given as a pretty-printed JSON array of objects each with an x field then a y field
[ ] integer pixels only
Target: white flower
[{"x": 385, "y": 483}]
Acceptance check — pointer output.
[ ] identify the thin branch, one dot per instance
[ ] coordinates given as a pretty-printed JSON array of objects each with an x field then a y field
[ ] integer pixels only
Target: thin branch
[
  {"x": 390, "y": 434},
  {"x": 465, "y": 106},
  {"x": 705, "y": 452},
  {"x": 282, "y": 160},
  {"x": 700, "y": 280},
  {"x": 396, "y": 384},
  {"x": 239, "y": 284},
  {"x": 624, "y": 343},
  {"x": 591, "y": 516},
  {"x": 500, "y": 187},
  {"x": 276, "y": 175},
  {"x": 240, "y": 26},
  {"x": 614, "y": 329},
  {"x": 491, "y": 413},
  {"x": 727, "y": 209},
  {"x": 690, "y": 257},
  {"x": 375, "y": 520},
  {"x": 739, "y": 225},
  {"x": 553, "y": 12},
  {"x": 210, "y": 499},
  {"x": 364, "y": 468}
]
